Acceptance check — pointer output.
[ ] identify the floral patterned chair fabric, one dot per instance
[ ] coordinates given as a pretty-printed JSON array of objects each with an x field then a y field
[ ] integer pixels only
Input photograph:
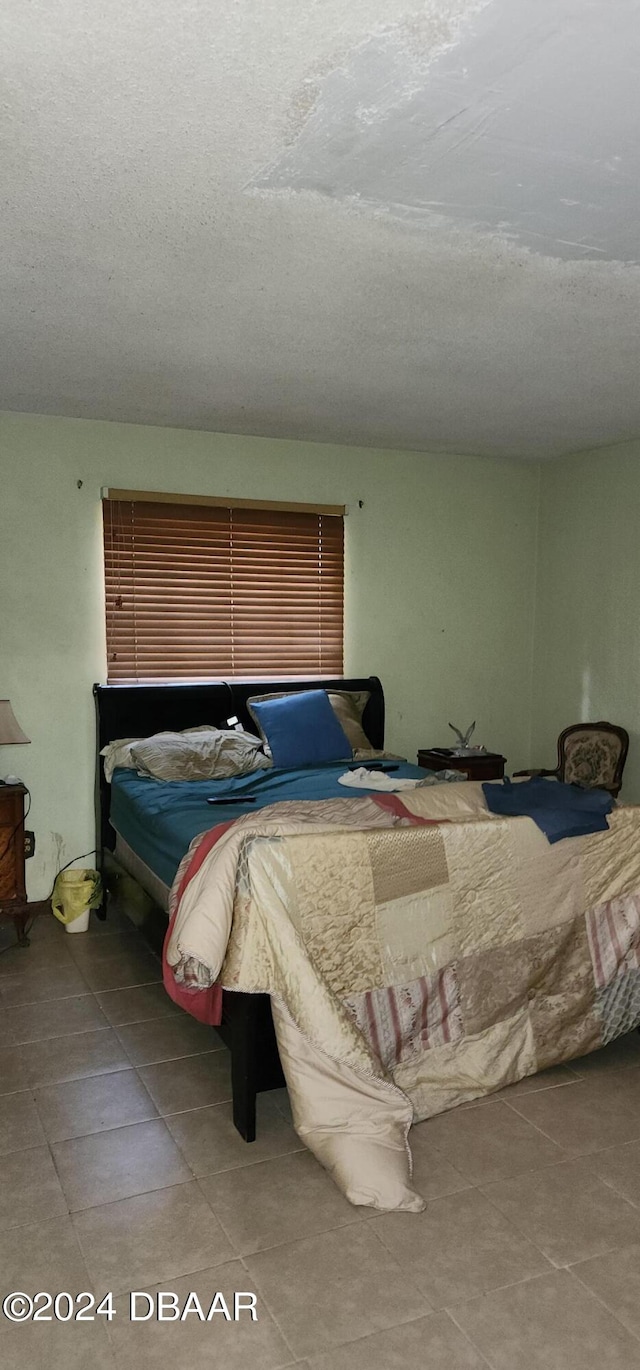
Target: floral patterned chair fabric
[{"x": 591, "y": 755}]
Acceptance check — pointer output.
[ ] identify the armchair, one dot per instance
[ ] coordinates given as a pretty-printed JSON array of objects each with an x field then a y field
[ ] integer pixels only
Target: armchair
[{"x": 591, "y": 755}]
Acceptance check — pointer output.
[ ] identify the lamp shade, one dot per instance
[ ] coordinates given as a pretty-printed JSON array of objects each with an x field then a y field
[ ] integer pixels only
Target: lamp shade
[{"x": 10, "y": 730}]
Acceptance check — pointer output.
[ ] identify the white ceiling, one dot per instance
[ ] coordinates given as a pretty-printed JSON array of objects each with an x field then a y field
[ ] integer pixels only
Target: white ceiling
[{"x": 398, "y": 223}]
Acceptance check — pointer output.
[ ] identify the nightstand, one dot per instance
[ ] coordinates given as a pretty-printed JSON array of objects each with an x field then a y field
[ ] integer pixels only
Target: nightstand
[
  {"x": 478, "y": 766},
  {"x": 13, "y": 893}
]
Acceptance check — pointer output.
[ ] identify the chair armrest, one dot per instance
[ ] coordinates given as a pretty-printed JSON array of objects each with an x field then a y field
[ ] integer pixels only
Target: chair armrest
[{"x": 534, "y": 773}]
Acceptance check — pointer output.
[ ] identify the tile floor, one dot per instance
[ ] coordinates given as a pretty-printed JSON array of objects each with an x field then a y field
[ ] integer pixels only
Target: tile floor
[{"x": 120, "y": 1170}]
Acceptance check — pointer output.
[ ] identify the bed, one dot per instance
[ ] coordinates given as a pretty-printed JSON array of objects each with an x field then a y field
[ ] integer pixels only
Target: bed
[
  {"x": 416, "y": 950},
  {"x": 140, "y": 852}
]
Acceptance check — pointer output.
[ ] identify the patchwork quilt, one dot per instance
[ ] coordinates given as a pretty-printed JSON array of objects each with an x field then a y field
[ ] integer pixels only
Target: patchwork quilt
[{"x": 416, "y": 963}]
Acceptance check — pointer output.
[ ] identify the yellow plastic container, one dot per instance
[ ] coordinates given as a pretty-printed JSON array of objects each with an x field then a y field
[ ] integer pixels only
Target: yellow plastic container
[{"x": 75, "y": 893}]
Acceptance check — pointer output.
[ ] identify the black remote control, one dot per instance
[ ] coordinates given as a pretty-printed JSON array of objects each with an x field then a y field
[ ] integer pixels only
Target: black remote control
[
  {"x": 235, "y": 799},
  {"x": 378, "y": 766}
]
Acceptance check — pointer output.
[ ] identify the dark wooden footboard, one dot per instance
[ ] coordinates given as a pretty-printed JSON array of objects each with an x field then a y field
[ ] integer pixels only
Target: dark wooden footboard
[
  {"x": 247, "y": 1024},
  {"x": 247, "y": 1029}
]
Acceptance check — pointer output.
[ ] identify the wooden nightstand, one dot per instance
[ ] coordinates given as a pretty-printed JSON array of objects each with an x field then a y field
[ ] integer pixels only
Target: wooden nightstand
[
  {"x": 480, "y": 766},
  {"x": 13, "y": 893}
]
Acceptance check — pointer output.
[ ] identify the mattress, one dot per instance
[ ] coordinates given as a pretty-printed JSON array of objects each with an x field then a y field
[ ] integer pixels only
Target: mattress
[
  {"x": 158, "y": 819},
  {"x": 142, "y": 874}
]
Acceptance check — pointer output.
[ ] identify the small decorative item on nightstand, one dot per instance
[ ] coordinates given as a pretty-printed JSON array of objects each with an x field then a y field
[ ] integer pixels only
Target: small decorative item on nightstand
[
  {"x": 476, "y": 765},
  {"x": 464, "y": 740}
]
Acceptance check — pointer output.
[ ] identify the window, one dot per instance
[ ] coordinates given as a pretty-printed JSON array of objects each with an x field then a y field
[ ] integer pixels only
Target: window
[{"x": 203, "y": 590}]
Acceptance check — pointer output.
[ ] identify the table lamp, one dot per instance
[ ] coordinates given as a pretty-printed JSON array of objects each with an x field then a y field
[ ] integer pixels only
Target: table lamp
[{"x": 11, "y": 735}]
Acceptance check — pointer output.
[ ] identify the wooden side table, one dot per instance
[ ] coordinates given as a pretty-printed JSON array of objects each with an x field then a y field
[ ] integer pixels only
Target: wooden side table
[
  {"x": 13, "y": 892},
  {"x": 478, "y": 766}
]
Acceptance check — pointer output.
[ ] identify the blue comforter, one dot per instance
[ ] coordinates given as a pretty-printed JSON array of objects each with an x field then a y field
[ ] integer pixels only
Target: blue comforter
[{"x": 159, "y": 818}]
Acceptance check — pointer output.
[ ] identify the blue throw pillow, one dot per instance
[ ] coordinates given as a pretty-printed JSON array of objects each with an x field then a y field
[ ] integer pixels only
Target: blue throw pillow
[{"x": 302, "y": 729}]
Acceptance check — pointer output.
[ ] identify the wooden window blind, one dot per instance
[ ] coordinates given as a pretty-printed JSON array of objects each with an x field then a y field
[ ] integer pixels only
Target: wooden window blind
[{"x": 202, "y": 592}]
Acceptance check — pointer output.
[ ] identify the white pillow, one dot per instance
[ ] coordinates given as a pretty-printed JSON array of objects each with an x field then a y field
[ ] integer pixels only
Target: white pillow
[
  {"x": 213, "y": 754},
  {"x": 120, "y": 751}
]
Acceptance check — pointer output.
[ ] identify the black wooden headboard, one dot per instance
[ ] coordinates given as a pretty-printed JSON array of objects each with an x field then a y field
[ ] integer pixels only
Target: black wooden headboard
[{"x": 140, "y": 710}]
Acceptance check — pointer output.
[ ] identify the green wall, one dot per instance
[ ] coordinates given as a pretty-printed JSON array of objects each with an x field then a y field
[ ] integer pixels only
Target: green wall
[
  {"x": 439, "y": 587},
  {"x": 587, "y": 629},
  {"x": 476, "y": 588}
]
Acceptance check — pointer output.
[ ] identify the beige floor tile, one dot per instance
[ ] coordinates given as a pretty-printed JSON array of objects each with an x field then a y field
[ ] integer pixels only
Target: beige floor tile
[
  {"x": 79, "y": 1107},
  {"x": 459, "y": 1247},
  {"x": 116, "y": 921},
  {"x": 40, "y": 986},
  {"x": 137, "y": 1005},
  {"x": 192, "y": 1082},
  {"x": 94, "y": 948},
  {"x": 20, "y": 1125},
  {"x": 200, "y": 1345},
  {"x": 547, "y": 1324},
  {"x": 36, "y": 957},
  {"x": 619, "y": 1167},
  {"x": 433, "y": 1176},
  {"x": 622, "y": 1053},
  {"x": 584, "y": 1117},
  {"x": 113, "y": 1165},
  {"x": 615, "y": 1279},
  {"x": 47, "y": 928},
  {"x": 210, "y": 1143},
  {"x": 57, "y": 1346},
  {"x": 7, "y": 935},
  {"x": 483, "y": 1101},
  {"x": 274, "y": 1202},
  {"x": 71, "y": 1058},
  {"x": 122, "y": 969},
  {"x": 280, "y": 1097},
  {"x": 567, "y": 1211},
  {"x": 615, "y": 1088},
  {"x": 57, "y": 1018},
  {"x": 334, "y": 1288},
  {"x": 43, "y": 1255},
  {"x": 554, "y": 1078},
  {"x": 167, "y": 1039},
  {"x": 433, "y": 1343},
  {"x": 151, "y": 1238},
  {"x": 358, "y": 1294},
  {"x": 29, "y": 1188},
  {"x": 14, "y": 1074},
  {"x": 490, "y": 1143}
]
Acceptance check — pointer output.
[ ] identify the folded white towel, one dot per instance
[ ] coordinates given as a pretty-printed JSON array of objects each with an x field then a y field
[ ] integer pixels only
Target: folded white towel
[{"x": 362, "y": 779}]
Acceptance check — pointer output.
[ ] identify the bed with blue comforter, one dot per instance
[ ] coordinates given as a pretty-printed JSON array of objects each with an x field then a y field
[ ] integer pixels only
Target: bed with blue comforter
[
  {"x": 158, "y": 819},
  {"x": 144, "y": 827}
]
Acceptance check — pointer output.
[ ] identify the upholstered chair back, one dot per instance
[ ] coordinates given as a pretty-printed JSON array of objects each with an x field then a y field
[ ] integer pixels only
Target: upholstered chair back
[{"x": 593, "y": 755}]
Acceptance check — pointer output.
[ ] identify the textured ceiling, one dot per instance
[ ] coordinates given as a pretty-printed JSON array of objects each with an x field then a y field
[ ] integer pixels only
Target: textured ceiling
[{"x": 384, "y": 222}]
